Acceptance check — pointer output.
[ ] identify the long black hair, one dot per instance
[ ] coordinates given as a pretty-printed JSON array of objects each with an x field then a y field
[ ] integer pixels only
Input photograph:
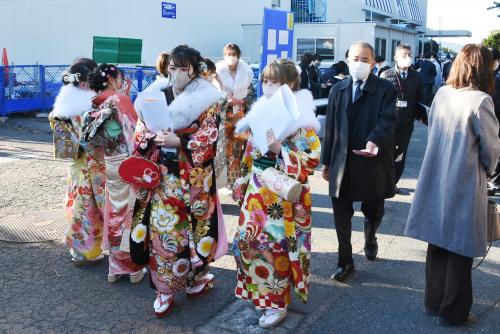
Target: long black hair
[
  {"x": 99, "y": 78},
  {"x": 79, "y": 71},
  {"x": 184, "y": 55}
]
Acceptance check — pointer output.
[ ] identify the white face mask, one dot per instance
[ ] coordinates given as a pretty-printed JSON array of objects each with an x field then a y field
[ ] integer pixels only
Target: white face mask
[
  {"x": 404, "y": 62},
  {"x": 180, "y": 79},
  {"x": 231, "y": 60},
  {"x": 359, "y": 70},
  {"x": 269, "y": 88}
]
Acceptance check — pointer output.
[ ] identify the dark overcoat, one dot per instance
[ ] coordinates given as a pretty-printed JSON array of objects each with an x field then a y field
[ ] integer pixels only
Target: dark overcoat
[{"x": 350, "y": 125}]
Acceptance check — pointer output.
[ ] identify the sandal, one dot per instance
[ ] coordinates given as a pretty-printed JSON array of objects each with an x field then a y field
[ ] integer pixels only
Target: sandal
[
  {"x": 163, "y": 304},
  {"x": 272, "y": 317},
  {"x": 202, "y": 287}
]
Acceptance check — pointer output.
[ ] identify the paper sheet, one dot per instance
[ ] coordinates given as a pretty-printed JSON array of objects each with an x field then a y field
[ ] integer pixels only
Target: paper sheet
[
  {"x": 271, "y": 39},
  {"x": 154, "y": 111},
  {"x": 283, "y": 37},
  {"x": 277, "y": 113}
]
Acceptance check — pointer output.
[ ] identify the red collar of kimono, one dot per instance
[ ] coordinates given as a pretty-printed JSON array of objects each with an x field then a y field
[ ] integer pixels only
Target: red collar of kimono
[{"x": 122, "y": 101}]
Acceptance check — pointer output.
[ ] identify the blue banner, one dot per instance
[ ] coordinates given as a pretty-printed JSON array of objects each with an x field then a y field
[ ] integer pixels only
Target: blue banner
[{"x": 169, "y": 10}]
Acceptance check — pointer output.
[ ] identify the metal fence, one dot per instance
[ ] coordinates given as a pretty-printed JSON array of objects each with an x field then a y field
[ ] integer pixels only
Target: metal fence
[
  {"x": 35, "y": 87},
  {"x": 309, "y": 11}
]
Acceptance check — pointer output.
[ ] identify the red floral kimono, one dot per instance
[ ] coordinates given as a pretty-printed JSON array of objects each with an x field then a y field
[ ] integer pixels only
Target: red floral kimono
[
  {"x": 183, "y": 222},
  {"x": 110, "y": 130}
]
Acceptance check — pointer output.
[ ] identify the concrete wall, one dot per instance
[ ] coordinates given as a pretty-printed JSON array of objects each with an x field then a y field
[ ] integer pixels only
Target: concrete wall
[{"x": 57, "y": 31}]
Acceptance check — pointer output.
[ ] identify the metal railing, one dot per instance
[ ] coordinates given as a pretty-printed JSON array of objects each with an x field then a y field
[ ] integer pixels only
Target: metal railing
[
  {"x": 35, "y": 87},
  {"x": 309, "y": 11}
]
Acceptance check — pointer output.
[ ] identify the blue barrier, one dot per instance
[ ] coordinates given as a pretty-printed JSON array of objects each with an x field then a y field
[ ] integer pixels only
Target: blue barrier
[{"x": 35, "y": 87}]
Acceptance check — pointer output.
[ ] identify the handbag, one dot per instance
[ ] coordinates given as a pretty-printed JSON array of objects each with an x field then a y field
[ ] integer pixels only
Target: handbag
[
  {"x": 140, "y": 171},
  {"x": 66, "y": 143},
  {"x": 493, "y": 226},
  {"x": 281, "y": 184}
]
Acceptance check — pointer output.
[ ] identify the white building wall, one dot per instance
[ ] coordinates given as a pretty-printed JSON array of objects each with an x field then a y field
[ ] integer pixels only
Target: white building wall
[{"x": 57, "y": 31}]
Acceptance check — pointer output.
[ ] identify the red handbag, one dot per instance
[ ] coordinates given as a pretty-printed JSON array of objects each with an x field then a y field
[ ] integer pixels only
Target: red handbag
[{"x": 140, "y": 172}]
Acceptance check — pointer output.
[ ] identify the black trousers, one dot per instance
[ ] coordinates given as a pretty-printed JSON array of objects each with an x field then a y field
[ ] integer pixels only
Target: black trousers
[
  {"x": 402, "y": 136},
  {"x": 428, "y": 96},
  {"x": 342, "y": 213},
  {"x": 448, "y": 284}
]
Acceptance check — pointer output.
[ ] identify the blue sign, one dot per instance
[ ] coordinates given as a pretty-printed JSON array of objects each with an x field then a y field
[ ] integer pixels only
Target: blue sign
[
  {"x": 277, "y": 36},
  {"x": 169, "y": 10}
]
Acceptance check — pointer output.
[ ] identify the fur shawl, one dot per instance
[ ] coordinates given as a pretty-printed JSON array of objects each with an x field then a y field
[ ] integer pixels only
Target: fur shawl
[
  {"x": 192, "y": 102},
  {"x": 72, "y": 101},
  {"x": 237, "y": 87},
  {"x": 307, "y": 118}
]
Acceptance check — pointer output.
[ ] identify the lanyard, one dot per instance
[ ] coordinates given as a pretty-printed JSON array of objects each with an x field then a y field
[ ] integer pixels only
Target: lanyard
[{"x": 401, "y": 88}]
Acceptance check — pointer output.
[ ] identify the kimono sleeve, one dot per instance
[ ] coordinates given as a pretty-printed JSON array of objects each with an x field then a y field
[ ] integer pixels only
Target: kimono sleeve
[
  {"x": 303, "y": 155},
  {"x": 201, "y": 144},
  {"x": 241, "y": 183}
]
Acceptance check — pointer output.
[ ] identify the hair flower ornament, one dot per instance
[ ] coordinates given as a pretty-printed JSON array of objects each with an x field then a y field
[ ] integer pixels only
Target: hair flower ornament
[{"x": 71, "y": 77}]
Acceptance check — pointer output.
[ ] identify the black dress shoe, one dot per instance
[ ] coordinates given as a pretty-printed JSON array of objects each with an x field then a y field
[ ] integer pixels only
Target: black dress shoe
[
  {"x": 341, "y": 273},
  {"x": 446, "y": 323},
  {"x": 371, "y": 250}
]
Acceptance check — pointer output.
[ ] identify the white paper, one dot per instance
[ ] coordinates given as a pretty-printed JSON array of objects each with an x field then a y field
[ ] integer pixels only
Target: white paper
[
  {"x": 284, "y": 55},
  {"x": 271, "y": 58},
  {"x": 271, "y": 39},
  {"x": 277, "y": 113},
  {"x": 154, "y": 111},
  {"x": 283, "y": 37}
]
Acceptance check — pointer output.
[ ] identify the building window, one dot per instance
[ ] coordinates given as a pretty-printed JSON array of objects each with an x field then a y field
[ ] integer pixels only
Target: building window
[
  {"x": 395, "y": 43},
  {"x": 380, "y": 47},
  {"x": 325, "y": 47},
  {"x": 384, "y": 5},
  {"x": 414, "y": 10},
  {"x": 401, "y": 8}
]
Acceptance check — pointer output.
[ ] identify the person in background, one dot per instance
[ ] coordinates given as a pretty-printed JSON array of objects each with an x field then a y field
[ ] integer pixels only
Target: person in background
[
  {"x": 447, "y": 67},
  {"x": 438, "y": 79},
  {"x": 463, "y": 147},
  {"x": 494, "y": 181},
  {"x": 428, "y": 73},
  {"x": 108, "y": 131},
  {"x": 315, "y": 78},
  {"x": 273, "y": 242},
  {"x": 358, "y": 152},
  {"x": 183, "y": 219},
  {"x": 305, "y": 76},
  {"x": 86, "y": 177},
  {"x": 339, "y": 72},
  {"x": 380, "y": 66},
  {"x": 409, "y": 87},
  {"x": 234, "y": 79}
]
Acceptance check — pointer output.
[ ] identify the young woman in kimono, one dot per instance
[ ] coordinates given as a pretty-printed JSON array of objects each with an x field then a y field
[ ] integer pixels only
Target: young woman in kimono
[
  {"x": 234, "y": 78},
  {"x": 273, "y": 242},
  {"x": 183, "y": 220},
  {"x": 109, "y": 132},
  {"x": 85, "y": 191}
]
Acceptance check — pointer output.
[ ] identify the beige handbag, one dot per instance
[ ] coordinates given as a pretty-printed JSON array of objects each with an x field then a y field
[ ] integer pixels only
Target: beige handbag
[
  {"x": 493, "y": 226},
  {"x": 283, "y": 185}
]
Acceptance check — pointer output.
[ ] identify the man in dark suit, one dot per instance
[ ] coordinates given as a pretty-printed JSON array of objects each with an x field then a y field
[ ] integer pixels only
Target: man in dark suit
[
  {"x": 358, "y": 153},
  {"x": 409, "y": 87},
  {"x": 428, "y": 73},
  {"x": 315, "y": 78}
]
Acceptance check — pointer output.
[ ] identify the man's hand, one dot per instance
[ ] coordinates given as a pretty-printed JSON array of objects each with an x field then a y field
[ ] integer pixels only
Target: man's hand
[
  {"x": 325, "y": 173},
  {"x": 372, "y": 148}
]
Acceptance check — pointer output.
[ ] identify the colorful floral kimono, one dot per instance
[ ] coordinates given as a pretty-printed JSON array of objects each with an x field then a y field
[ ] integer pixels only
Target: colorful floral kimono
[
  {"x": 183, "y": 221},
  {"x": 273, "y": 242},
  {"x": 85, "y": 182},
  {"x": 109, "y": 132},
  {"x": 238, "y": 87}
]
